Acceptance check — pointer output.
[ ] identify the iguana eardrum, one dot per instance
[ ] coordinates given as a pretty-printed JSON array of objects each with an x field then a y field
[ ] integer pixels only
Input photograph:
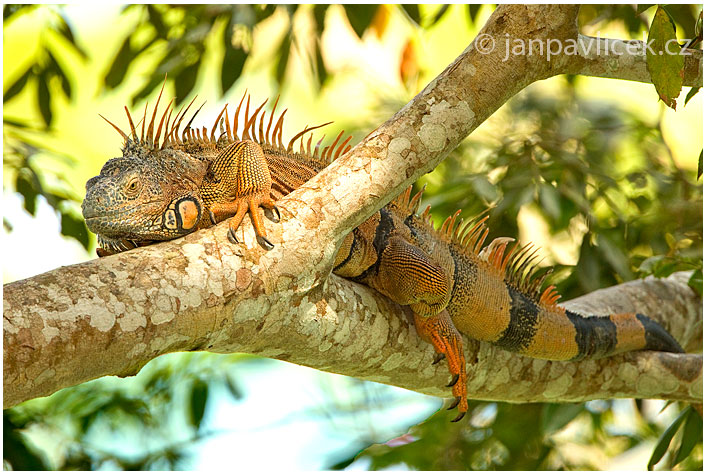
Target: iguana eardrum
[{"x": 169, "y": 183}]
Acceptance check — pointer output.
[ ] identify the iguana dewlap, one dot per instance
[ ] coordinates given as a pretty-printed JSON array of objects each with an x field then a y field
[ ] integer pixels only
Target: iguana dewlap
[{"x": 170, "y": 183}]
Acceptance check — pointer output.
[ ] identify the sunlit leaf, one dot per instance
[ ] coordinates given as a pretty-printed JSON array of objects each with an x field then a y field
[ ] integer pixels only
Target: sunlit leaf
[
  {"x": 284, "y": 58},
  {"x": 691, "y": 94},
  {"x": 665, "y": 64},
  {"x": 28, "y": 186},
  {"x": 664, "y": 441},
  {"x": 65, "y": 31},
  {"x": 199, "y": 396},
  {"x": 119, "y": 66},
  {"x": 640, "y": 8},
  {"x": 156, "y": 20},
  {"x": 360, "y": 16},
  {"x": 184, "y": 82},
  {"x": 44, "y": 98},
  {"x": 695, "y": 282},
  {"x": 438, "y": 16},
  {"x": 75, "y": 227},
  {"x": 9, "y": 10},
  {"x": 319, "y": 13},
  {"x": 699, "y": 165},
  {"x": 233, "y": 388},
  {"x": 413, "y": 11},
  {"x": 692, "y": 434},
  {"x": 233, "y": 61},
  {"x": 557, "y": 416},
  {"x": 473, "y": 9},
  {"x": 18, "y": 85},
  {"x": 59, "y": 71}
]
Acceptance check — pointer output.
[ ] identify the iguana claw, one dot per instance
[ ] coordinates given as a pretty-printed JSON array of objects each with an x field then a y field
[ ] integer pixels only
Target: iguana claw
[
  {"x": 455, "y": 403},
  {"x": 459, "y": 417},
  {"x": 232, "y": 236},
  {"x": 438, "y": 357},
  {"x": 274, "y": 217},
  {"x": 454, "y": 380},
  {"x": 263, "y": 241}
]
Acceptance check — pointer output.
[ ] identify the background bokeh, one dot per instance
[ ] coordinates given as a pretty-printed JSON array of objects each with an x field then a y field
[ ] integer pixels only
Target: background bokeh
[{"x": 597, "y": 172}]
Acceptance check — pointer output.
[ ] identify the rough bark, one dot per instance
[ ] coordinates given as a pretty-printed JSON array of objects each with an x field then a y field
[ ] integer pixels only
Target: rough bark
[{"x": 111, "y": 316}]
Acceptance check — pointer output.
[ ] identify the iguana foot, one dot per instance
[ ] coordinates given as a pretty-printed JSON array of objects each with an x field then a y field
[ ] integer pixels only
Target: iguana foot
[
  {"x": 447, "y": 341},
  {"x": 237, "y": 209}
]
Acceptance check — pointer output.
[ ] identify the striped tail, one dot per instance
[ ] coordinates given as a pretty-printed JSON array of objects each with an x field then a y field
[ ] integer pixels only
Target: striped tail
[{"x": 551, "y": 332}]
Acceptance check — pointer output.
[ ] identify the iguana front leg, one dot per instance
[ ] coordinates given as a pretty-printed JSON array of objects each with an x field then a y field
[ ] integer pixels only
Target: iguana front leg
[{"x": 238, "y": 181}]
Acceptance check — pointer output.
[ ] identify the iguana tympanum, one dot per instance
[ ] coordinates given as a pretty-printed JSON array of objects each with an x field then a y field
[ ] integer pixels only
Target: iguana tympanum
[{"x": 169, "y": 183}]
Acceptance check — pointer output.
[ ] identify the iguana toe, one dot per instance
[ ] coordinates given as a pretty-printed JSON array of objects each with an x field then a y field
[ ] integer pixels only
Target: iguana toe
[
  {"x": 459, "y": 417},
  {"x": 455, "y": 403}
]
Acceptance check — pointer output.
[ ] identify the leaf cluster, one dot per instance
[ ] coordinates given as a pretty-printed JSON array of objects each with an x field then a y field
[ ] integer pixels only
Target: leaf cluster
[{"x": 157, "y": 415}]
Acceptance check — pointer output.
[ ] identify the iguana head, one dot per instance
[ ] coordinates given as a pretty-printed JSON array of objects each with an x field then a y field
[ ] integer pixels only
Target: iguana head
[{"x": 148, "y": 194}]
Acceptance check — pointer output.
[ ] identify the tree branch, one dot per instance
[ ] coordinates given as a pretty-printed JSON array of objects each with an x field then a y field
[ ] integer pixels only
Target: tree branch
[
  {"x": 111, "y": 316},
  {"x": 623, "y": 59}
]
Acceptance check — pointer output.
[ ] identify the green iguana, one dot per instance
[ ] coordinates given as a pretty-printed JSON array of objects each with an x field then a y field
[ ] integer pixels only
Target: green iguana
[{"x": 169, "y": 183}]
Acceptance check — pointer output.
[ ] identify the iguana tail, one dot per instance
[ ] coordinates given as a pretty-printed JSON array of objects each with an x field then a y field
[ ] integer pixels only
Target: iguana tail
[{"x": 498, "y": 299}]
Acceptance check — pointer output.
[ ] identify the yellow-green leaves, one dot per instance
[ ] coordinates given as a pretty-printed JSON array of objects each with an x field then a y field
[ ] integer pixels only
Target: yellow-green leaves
[{"x": 666, "y": 65}]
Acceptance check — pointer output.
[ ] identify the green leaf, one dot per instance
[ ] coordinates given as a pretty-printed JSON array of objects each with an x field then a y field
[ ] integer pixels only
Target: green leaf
[
  {"x": 320, "y": 71},
  {"x": 664, "y": 441},
  {"x": 154, "y": 82},
  {"x": 692, "y": 434},
  {"x": 10, "y": 10},
  {"x": 199, "y": 395},
  {"x": 285, "y": 48},
  {"x": 360, "y": 16},
  {"x": 44, "y": 98},
  {"x": 120, "y": 65},
  {"x": 56, "y": 69},
  {"x": 233, "y": 388},
  {"x": 691, "y": 93},
  {"x": 233, "y": 61},
  {"x": 695, "y": 281},
  {"x": 642, "y": 8},
  {"x": 185, "y": 81},
  {"x": 550, "y": 201},
  {"x": 17, "y": 86},
  {"x": 665, "y": 64},
  {"x": 65, "y": 30},
  {"x": 413, "y": 11},
  {"x": 319, "y": 12},
  {"x": 473, "y": 11},
  {"x": 439, "y": 14},
  {"x": 557, "y": 416},
  {"x": 156, "y": 21},
  {"x": 27, "y": 184},
  {"x": 75, "y": 227},
  {"x": 699, "y": 165}
]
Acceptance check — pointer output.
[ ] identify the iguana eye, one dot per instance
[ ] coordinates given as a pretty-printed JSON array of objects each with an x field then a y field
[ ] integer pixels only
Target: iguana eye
[{"x": 133, "y": 185}]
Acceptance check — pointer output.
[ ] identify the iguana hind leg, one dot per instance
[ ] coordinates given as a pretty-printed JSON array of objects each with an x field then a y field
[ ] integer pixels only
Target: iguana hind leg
[
  {"x": 447, "y": 341},
  {"x": 238, "y": 181},
  {"x": 409, "y": 276}
]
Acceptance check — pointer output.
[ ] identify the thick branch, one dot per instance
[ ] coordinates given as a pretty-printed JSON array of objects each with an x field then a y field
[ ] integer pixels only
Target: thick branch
[
  {"x": 111, "y": 316},
  {"x": 622, "y": 59}
]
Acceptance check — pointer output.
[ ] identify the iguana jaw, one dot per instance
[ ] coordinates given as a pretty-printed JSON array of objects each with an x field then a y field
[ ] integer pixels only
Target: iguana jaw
[{"x": 151, "y": 221}]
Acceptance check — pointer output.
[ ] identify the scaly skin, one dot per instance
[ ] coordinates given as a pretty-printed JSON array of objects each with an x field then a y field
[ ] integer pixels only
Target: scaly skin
[{"x": 450, "y": 281}]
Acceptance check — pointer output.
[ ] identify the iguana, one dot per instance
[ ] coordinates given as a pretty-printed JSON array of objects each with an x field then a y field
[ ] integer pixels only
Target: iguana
[{"x": 169, "y": 183}]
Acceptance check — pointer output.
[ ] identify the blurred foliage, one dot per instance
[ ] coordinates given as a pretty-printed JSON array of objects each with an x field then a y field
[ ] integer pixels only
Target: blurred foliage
[
  {"x": 157, "y": 417},
  {"x": 501, "y": 436},
  {"x": 587, "y": 168}
]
